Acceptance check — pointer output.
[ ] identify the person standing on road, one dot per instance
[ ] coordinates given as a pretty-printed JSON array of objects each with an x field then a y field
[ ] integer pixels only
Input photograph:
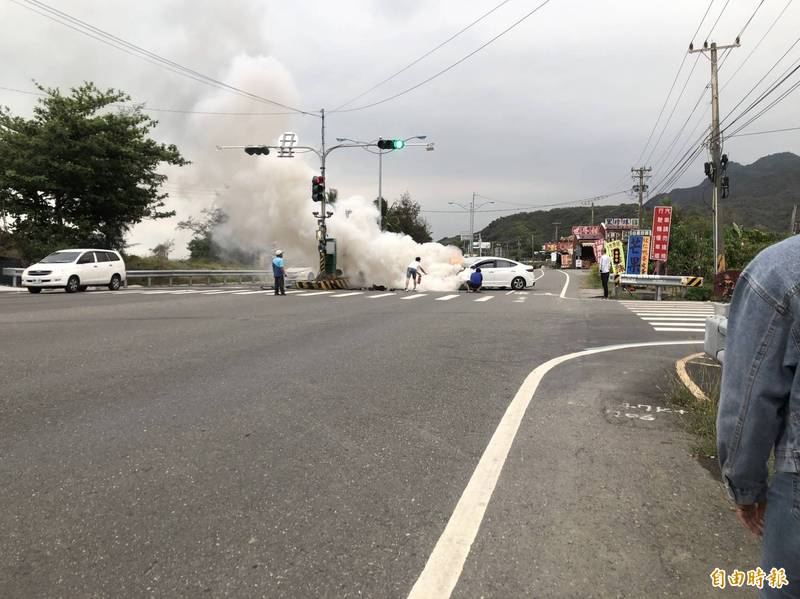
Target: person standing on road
[
  {"x": 412, "y": 270},
  {"x": 759, "y": 408},
  {"x": 279, "y": 272},
  {"x": 476, "y": 281},
  {"x": 605, "y": 271}
]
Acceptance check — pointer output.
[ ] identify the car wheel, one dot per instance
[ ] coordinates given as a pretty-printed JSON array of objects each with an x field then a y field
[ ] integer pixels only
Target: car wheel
[
  {"x": 83, "y": 288},
  {"x": 73, "y": 284},
  {"x": 115, "y": 283},
  {"x": 518, "y": 283},
  {"x": 34, "y": 289}
]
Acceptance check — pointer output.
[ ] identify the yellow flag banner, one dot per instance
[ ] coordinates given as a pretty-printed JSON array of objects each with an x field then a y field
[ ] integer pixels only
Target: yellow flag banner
[{"x": 616, "y": 252}]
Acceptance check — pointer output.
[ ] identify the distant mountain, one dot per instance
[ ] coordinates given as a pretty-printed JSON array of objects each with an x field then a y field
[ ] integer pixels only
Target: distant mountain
[{"x": 762, "y": 194}]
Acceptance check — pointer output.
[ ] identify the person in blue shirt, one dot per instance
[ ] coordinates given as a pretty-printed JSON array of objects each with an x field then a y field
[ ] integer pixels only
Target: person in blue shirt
[
  {"x": 279, "y": 273},
  {"x": 476, "y": 280}
]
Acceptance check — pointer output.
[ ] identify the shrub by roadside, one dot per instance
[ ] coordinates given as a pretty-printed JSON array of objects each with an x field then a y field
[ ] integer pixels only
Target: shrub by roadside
[{"x": 700, "y": 418}]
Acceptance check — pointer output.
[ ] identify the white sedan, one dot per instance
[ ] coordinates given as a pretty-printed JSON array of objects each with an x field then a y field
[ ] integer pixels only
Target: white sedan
[{"x": 500, "y": 272}]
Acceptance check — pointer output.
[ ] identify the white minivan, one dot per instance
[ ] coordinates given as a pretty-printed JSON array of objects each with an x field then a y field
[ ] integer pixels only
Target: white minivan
[{"x": 76, "y": 270}]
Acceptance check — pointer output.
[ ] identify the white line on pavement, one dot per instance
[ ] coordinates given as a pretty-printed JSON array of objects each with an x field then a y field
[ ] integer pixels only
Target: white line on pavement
[
  {"x": 680, "y": 329},
  {"x": 414, "y": 296},
  {"x": 446, "y": 562},
  {"x": 445, "y": 298},
  {"x": 380, "y": 295},
  {"x": 252, "y": 292},
  {"x": 510, "y": 293},
  {"x": 673, "y": 318},
  {"x": 315, "y": 293},
  {"x": 348, "y": 294},
  {"x": 485, "y": 299},
  {"x": 296, "y": 291},
  {"x": 566, "y": 284}
]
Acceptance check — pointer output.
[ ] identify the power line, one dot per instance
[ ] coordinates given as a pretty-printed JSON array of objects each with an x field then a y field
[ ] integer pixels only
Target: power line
[
  {"x": 455, "y": 64},
  {"x": 764, "y": 132},
  {"x": 109, "y": 39},
  {"x": 424, "y": 56},
  {"x": 763, "y": 37},
  {"x": 146, "y": 108},
  {"x": 671, "y": 88},
  {"x": 714, "y": 26},
  {"x": 537, "y": 207}
]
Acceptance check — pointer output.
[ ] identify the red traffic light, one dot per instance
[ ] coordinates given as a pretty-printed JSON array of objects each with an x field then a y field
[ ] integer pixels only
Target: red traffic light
[{"x": 318, "y": 180}]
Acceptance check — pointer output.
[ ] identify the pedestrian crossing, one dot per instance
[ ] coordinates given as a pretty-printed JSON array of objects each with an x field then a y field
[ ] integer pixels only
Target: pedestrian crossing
[
  {"x": 343, "y": 294},
  {"x": 672, "y": 317}
]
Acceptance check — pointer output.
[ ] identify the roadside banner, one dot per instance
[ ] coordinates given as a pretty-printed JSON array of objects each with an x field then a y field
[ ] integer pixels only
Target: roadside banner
[
  {"x": 598, "y": 245},
  {"x": 662, "y": 222},
  {"x": 645, "y": 263},
  {"x": 617, "y": 255},
  {"x": 634, "y": 264}
]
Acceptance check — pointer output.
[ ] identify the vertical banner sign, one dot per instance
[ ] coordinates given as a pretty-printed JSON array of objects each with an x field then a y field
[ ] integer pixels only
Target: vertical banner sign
[
  {"x": 635, "y": 253},
  {"x": 598, "y": 245},
  {"x": 662, "y": 221},
  {"x": 617, "y": 255},
  {"x": 645, "y": 255}
]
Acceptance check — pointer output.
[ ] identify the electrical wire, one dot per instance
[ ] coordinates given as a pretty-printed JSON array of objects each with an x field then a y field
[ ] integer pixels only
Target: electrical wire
[
  {"x": 424, "y": 56},
  {"x": 714, "y": 26},
  {"x": 537, "y": 207},
  {"x": 452, "y": 66},
  {"x": 763, "y": 132},
  {"x": 763, "y": 37},
  {"x": 132, "y": 49}
]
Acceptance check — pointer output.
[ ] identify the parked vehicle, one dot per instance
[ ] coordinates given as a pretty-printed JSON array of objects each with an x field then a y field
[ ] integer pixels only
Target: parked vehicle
[
  {"x": 76, "y": 270},
  {"x": 500, "y": 272}
]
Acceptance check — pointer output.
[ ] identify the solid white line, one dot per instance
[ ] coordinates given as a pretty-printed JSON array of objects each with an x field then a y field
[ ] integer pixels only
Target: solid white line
[
  {"x": 444, "y": 298},
  {"x": 674, "y": 319},
  {"x": 414, "y": 296},
  {"x": 315, "y": 293},
  {"x": 348, "y": 294},
  {"x": 672, "y": 314},
  {"x": 294, "y": 291},
  {"x": 485, "y": 299},
  {"x": 566, "y": 284},
  {"x": 540, "y": 276},
  {"x": 252, "y": 292},
  {"x": 379, "y": 295},
  {"x": 510, "y": 293},
  {"x": 446, "y": 562},
  {"x": 680, "y": 330}
]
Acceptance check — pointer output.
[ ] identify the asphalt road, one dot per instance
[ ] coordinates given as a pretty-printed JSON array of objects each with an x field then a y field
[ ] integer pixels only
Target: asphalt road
[{"x": 244, "y": 445}]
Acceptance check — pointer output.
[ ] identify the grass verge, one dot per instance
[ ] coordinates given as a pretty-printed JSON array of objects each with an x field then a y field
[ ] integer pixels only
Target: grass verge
[{"x": 700, "y": 418}]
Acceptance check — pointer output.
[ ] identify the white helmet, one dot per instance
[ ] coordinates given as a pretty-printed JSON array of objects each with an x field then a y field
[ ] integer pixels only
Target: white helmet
[{"x": 279, "y": 252}]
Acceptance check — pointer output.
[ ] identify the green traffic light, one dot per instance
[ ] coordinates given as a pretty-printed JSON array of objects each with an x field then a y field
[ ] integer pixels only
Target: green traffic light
[{"x": 398, "y": 144}]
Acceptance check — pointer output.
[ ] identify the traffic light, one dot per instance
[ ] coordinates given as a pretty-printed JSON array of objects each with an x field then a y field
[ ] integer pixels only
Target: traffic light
[
  {"x": 318, "y": 188},
  {"x": 391, "y": 144},
  {"x": 260, "y": 150}
]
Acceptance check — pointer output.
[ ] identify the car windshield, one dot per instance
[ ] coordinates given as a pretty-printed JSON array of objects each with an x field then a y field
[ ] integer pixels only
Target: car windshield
[{"x": 60, "y": 258}]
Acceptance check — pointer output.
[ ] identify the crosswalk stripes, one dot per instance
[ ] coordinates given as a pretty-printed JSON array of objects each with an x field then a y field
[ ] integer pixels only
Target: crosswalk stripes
[
  {"x": 485, "y": 299},
  {"x": 445, "y": 298},
  {"x": 414, "y": 296},
  {"x": 348, "y": 294},
  {"x": 380, "y": 295},
  {"x": 672, "y": 317}
]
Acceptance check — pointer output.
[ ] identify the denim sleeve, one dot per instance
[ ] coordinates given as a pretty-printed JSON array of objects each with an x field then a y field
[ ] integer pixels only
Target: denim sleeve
[{"x": 756, "y": 384}]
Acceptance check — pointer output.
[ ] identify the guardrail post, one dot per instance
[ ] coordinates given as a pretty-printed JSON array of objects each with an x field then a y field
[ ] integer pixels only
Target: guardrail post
[
  {"x": 14, "y": 281},
  {"x": 190, "y": 280},
  {"x": 149, "y": 282},
  {"x": 208, "y": 280},
  {"x": 658, "y": 293},
  {"x": 170, "y": 281},
  {"x": 240, "y": 279},
  {"x": 224, "y": 280}
]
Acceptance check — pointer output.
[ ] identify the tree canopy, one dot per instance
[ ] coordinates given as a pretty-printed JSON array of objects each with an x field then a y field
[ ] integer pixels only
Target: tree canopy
[
  {"x": 404, "y": 216},
  {"x": 81, "y": 171}
]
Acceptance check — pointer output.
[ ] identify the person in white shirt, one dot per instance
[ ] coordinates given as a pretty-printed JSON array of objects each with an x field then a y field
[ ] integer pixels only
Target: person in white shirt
[
  {"x": 411, "y": 271},
  {"x": 605, "y": 271}
]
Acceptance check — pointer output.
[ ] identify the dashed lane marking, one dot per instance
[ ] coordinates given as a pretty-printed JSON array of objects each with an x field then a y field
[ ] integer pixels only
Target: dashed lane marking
[
  {"x": 485, "y": 299},
  {"x": 445, "y": 298},
  {"x": 380, "y": 295},
  {"x": 348, "y": 294},
  {"x": 315, "y": 293},
  {"x": 414, "y": 296}
]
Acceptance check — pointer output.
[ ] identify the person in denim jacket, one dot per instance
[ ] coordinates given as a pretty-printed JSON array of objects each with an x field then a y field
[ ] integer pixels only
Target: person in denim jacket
[{"x": 759, "y": 409}]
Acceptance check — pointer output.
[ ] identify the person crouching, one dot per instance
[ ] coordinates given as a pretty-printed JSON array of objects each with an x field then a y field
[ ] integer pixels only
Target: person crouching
[{"x": 476, "y": 281}]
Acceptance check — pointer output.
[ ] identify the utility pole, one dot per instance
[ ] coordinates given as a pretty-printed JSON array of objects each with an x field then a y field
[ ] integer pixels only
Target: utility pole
[
  {"x": 641, "y": 173},
  {"x": 556, "y": 226},
  {"x": 471, "y": 208},
  {"x": 716, "y": 148},
  {"x": 322, "y": 233},
  {"x": 592, "y": 212}
]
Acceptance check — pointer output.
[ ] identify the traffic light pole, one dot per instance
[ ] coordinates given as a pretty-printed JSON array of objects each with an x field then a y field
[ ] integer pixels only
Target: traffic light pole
[{"x": 716, "y": 150}]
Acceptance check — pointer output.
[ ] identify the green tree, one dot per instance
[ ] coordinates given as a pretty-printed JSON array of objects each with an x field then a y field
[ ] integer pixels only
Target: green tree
[
  {"x": 404, "y": 216},
  {"x": 202, "y": 247},
  {"x": 81, "y": 171}
]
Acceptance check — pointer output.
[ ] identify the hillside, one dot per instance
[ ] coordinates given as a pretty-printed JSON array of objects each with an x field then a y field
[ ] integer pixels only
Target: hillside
[{"x": 762, "y": 194}]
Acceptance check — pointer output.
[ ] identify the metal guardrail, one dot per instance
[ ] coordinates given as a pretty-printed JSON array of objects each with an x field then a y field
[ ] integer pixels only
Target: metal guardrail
[
  {"x": 660, "y": 281},
  {"x": 292, "y": 274}
]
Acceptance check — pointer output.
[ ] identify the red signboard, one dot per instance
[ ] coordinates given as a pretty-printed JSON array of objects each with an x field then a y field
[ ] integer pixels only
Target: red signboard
[
  {"x": 662, "y": 221},
  {"x": 588, "y": 232}
]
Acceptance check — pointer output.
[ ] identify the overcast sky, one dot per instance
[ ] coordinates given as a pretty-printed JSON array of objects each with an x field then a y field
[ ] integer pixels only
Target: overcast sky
[{"x": 556, "y": 110}]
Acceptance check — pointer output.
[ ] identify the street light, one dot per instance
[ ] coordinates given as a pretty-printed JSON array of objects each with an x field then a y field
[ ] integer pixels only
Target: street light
[
  {"x": 380, "y": 152},
  {"x": 472, "y": 210}
]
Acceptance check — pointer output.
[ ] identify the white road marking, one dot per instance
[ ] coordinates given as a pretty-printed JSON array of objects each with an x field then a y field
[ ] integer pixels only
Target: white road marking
[
  {"x": 265, "y": 292},
  {"x": 566, "y": 284},
  {"x": 673, "y": 319},
  {"x": 446, "y": 562},
  {"x": 414, "y": 296},
  {"x": 679, "y": 329},
  {"x": 510, "y": 292},
  {"x": 380, "y": 295},
  {"x": 348, "y": 294},
  {"x": 540, "y": 276},
  {"x": 485, "y": 299},
  {"x": 445, "y": 298},
  {"x": 296, "y": 291},
  {"x": 315, "y": 293}
]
